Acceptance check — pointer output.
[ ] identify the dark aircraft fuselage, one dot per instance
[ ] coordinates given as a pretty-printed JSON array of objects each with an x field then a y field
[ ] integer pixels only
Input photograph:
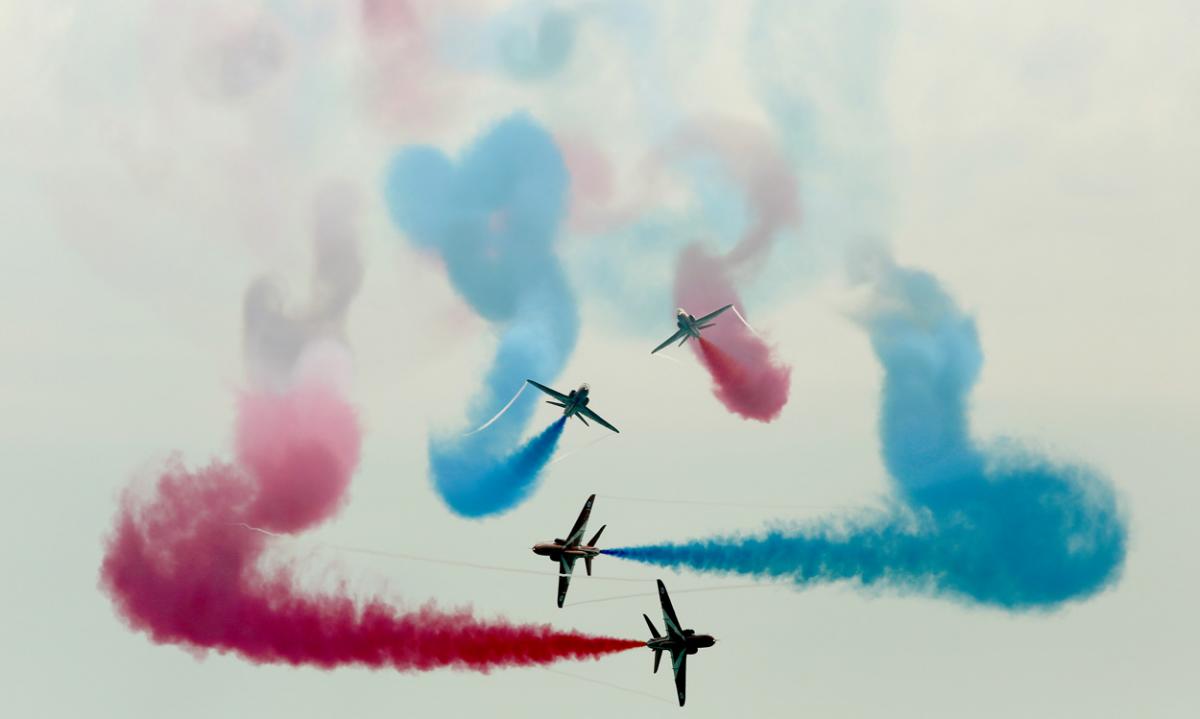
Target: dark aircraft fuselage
[
  {"x": 577, "y": 399},
  {"x": 686, "y": 323},
  {"x": 691, "y": 642},
  {"x": 555, "y": 550}
]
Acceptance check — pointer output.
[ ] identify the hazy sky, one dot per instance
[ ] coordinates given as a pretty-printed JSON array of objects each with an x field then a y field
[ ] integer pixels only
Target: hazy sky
[{"x": 160, "y": 157}]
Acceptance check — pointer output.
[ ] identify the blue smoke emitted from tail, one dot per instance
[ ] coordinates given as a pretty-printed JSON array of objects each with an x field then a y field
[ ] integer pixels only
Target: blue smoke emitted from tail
[
  {"x": 493, "y": 218},
  {"x": 1001, "y": 527},
  {"x": 476, "y": 485}
]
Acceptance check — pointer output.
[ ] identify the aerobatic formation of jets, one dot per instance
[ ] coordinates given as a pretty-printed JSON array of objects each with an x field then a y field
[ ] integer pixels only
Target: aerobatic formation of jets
[{"x": 676, "y": 641}]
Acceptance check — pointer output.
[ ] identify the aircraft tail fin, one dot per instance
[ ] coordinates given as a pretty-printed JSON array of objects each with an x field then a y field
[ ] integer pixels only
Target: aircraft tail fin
[
  {"x": 556, "y": 404},
  {"x": 596, "y": 537},
  {"x": 683, "y": 341},
  {"x": 587, "y": 562},
  {"x": 657, "y": 659},
  {"x": 653, "y": 632}
]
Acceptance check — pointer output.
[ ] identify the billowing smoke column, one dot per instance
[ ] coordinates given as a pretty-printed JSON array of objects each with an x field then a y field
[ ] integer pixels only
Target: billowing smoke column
[
  {"x": 746, "y": 377},
  {"x": 183, "y": 564},
  {"x": 493, "y": 219},
  {"x": 1000, "y": 527}
]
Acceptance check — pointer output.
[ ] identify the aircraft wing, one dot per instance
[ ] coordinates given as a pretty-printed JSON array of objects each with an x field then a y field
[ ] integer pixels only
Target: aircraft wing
[
  {"x": 669, "y": 340},
  {"x": 711, "y": 315},
  {"x": 597, "y": 419},
  {"x": 679, "y": 665},
  {"x": 555, "y": 394},
  {"x": 669, "y": 618},
  {"x": 565, "y": 565},
  {"x": 576, "y": 535}
]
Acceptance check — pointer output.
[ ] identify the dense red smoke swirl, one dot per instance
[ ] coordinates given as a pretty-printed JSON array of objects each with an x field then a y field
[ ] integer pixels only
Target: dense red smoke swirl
[{"x": 183, "y": 564}]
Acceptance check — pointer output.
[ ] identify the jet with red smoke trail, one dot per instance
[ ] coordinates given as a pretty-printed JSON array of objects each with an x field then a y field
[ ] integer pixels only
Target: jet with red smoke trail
[
  {"x": 567, "y": 551},
  {"x": 679, "y": 642},
  {"x": 689, "y": 326},
  {"x": 574, "y": 403}
]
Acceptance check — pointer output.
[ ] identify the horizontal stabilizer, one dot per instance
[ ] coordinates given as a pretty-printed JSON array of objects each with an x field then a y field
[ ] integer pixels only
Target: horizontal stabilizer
[
  {"x": 587, "y": 562},
  {"x": 581, "y": 419},
  {"x": 653, "y": 631},
  {"x": 657, "y": 659},
  {"x": 596, "y": 538},
  {"x": 683, "y": 341},
  {"x": 556, "y": 404},
  {"x": 704, "y": 327}
]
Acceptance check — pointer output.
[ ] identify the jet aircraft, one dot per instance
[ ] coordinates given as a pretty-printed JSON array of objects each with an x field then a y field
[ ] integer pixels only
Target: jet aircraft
[
  {"x": 678, "y": 641},
  {"x": 689, "y": 326},
  {"x": 574, "y": 404},
  {"x": 566, "y": 551}
]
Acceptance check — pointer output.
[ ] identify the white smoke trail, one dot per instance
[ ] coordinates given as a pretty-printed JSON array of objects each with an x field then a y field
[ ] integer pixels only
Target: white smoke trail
[
  {"x": 743, "y": 319},
  {"x": 504, "y": 409}
]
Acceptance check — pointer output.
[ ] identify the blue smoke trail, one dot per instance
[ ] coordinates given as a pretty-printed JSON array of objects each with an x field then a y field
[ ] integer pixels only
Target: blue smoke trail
[
  {"x": 493, "y": 219},
  {"x": 1001, "y": 528},
  {"x": 476, "y": 486}
]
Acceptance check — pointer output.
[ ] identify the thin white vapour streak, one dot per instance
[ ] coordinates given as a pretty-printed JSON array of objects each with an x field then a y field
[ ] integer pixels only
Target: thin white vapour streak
[
  {"x": 608, "y": 684},
  {"x": 743, "y": 319},
  {"x": 758, "y": 585},
  {"x": 502, "y": 411},
  {"x": 257, "y": 529},
  {"x": 593, "y": 443},
  {"x": 447, "y": 562},
  {"x": 747, "y": 505},
  {"x": 664, "y": 356}
]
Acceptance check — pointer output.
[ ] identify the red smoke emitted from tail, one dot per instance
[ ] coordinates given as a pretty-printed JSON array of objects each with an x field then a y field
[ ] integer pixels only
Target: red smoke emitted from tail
[
  {"x": 183, "y": 566},
  {"x": 746, "y": 377}
]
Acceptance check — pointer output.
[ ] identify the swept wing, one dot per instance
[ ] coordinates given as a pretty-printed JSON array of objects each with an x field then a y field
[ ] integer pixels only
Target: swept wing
[
  {"x": 596, "y": 418},
  {"x": 679, "y": 665},
  {"x": 711, "y": 315},
  {"x": 565, "y": 565},
  {"x": 669, "y": 340},
  {"x": 576, "y": 534},
  {"x": 553, "y": 393}
]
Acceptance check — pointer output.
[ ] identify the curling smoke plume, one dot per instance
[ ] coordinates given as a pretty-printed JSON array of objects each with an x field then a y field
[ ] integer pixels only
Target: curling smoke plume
[
  {"x": 493, "y": 219},
  {"x": 181, "y": 566},
  {"x": 1002, "y": 527},
  {"x": 747, "y": 378},
  {"x": 274, "y": 335}
]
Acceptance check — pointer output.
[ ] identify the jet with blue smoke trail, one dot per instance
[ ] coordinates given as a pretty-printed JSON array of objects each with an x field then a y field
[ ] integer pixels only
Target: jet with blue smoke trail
[
  {"x": 575, "y": 404},
  {"x": 1001, "y": 527},
  {"x": 493, "y": 218}
]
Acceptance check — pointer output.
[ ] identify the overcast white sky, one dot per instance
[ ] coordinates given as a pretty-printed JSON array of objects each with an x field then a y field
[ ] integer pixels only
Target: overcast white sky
[{"x": 1041, "y": 161}]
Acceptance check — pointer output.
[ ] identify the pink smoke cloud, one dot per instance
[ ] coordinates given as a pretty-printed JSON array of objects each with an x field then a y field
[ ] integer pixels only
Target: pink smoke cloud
[{"x": 747, "y": 378}]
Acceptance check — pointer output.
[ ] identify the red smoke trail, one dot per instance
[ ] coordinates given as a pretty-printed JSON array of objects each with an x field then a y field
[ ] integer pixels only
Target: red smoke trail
[
  {"x": 747, "y": 378},
  {"x": 183, "y": 567}
]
